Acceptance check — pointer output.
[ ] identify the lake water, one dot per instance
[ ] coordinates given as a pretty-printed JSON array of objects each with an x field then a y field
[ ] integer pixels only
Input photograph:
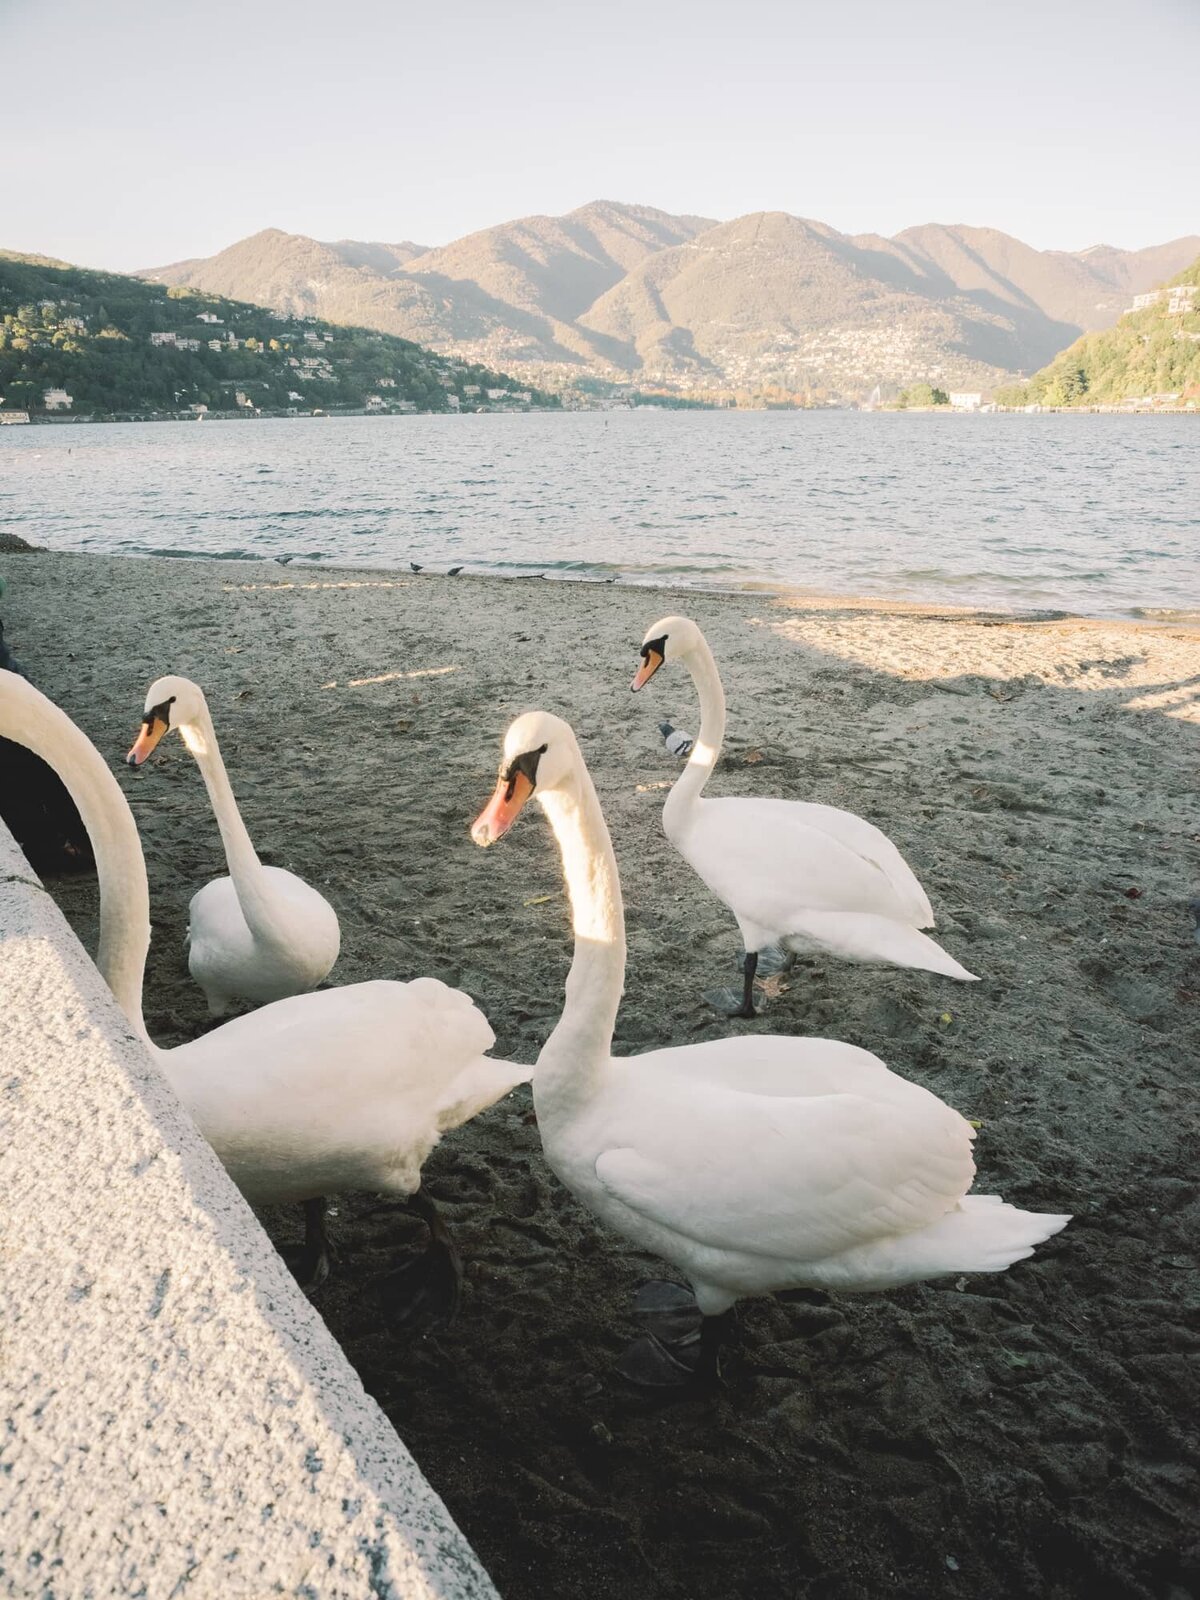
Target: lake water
[{"x": 1089, "y": 514}]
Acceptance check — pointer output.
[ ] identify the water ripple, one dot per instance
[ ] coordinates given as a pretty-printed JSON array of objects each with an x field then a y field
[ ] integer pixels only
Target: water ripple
[{"x": 1097, "y": 515}]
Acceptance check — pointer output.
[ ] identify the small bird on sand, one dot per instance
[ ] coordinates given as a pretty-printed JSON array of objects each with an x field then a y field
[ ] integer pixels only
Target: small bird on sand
[
  {"x": 453, "y": 572},
  {"x": 678, "y": 743},
  {"x": 416, "y": 566}
]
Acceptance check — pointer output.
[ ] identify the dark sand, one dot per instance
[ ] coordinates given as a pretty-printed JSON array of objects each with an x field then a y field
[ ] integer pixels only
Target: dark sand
[{"x": 1027, "y": 1434}]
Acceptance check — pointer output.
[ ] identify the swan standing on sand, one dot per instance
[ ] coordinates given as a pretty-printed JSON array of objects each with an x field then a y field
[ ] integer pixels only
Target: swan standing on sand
[
  {"x": 260, "y": 934},
  {"x": 807, "y": 877},
  {"x": 752, "y": 1163},
  {"x": 347, "y": 1089}
]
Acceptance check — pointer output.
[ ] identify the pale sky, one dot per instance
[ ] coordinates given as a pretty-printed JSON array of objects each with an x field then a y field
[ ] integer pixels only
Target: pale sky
[{"x": 138, "y": 132}]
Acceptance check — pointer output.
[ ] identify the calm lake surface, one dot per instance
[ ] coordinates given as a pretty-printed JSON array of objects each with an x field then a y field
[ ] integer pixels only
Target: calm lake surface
[{"x": 1088, "y": 514}]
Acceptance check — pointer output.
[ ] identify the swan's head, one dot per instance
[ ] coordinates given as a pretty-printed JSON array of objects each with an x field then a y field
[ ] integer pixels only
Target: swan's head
[
  {"x": 669, "y": 639},
  {"x": 170, "y": 703},
  {"x": 539, "y": 755}
]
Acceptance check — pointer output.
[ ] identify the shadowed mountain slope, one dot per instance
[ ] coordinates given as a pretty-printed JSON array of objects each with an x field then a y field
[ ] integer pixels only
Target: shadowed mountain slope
[{"x": 767, "y": 301}]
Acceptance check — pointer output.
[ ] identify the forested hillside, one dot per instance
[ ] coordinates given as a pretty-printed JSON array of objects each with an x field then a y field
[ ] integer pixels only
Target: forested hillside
[
  {"x": 1152, "y": 355},
  {"x": 97, "y": 343}
]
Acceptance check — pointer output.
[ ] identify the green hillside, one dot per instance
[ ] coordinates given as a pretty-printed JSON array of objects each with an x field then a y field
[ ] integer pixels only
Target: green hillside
[
  {"x": 1151, "y": 354},
  {"x": 118, "y": 345}
]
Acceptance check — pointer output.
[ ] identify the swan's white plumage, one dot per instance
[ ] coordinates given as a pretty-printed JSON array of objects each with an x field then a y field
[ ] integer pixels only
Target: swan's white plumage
[
  {"x": 751, "y": 1163},
  {"x": 261, "y": 934},
  {"x": 806, "y": 876},
  {"x": 350, "y": 1088},
  {"x": 347, "y": 1088},
  {"x": 228, "y": 961}
]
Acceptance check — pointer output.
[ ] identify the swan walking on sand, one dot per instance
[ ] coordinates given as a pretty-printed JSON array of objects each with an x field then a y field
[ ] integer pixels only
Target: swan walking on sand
[
  {"x": 260, "y": 934},
  {"x": 347, "y": 1089},
  {"x": 752, "y": 1164},
  {"x": 807, "y": 877}
]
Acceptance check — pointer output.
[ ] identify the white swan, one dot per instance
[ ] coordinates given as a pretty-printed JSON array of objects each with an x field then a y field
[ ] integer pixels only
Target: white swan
[
  {"x": 807, "y": 877},
  {"x": 260, "y": 934},
  {"x": 751, "y": 1163},
  {"x": 349, "y": 1088}
]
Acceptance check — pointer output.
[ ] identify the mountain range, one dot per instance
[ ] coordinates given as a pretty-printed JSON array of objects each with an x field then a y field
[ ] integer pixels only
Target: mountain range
[{"x": 767, "y": 305}]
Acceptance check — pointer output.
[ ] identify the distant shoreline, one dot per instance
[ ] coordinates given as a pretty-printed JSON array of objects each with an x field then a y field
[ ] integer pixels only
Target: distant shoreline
[{"x": 42, "y": 420}]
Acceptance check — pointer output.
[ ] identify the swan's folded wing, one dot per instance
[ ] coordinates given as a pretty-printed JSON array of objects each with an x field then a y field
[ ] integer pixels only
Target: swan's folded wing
[
  {"x": 799, "y": 1180},
  {"x": 870, "y": 842},
  {"x": 762, "y": 856}
]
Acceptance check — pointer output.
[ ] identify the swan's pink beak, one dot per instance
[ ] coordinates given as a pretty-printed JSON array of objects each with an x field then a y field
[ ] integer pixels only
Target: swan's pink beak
[
  {"x": 648, "y": 668},
  {"x": 502, "y": 810},
  {"x": 152, "y": 731}
]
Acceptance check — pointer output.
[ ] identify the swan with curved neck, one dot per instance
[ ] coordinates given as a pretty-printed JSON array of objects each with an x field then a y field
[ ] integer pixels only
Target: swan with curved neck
[
  {"x": 349, "y": 1088},
  {"x": 260, "y": 934},
  {"x": 752, "y": 1163},
  {"x": 806, "y": 877}
]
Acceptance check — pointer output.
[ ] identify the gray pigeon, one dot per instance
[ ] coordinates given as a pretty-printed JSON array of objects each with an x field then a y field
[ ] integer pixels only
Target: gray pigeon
[
  {"x": 453, "y": 572},
  {"x": 678, "y": 743},
  {"x": 416, "y": 566}
]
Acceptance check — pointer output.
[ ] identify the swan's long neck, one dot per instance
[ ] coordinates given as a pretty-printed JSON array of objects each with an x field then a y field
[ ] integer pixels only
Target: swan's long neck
[
  {"x": 689, "y": 785},
  {"x": 572, "y": 1061},
  {"x": 27, "y": 717},
  {"x": 249, "y": 876}
]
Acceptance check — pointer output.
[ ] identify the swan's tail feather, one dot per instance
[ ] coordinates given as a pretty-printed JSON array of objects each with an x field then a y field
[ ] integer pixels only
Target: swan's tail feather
[
  {"x": 866, "y": 937},
  {"x": 477, "y": 1087},
  {"x": 981, "y": 1234},
  {"x": 985, "y": 1234}
]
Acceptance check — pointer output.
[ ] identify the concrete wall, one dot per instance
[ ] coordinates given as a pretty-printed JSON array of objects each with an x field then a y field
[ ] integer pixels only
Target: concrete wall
[{"x": 179, "y": 1421}]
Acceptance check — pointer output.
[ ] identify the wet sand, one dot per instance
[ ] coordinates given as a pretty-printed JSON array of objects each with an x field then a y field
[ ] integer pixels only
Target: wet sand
[{"x": 1031, "y": 1433}]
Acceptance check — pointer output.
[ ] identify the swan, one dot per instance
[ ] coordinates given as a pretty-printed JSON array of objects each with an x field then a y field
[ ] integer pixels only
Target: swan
[
  {"x": 260, "y": 934},
  {"x": 752, "y": 1164},
  {"x": 34, "y": 804},
  {"x": 349, "y": 1088},
  {"x": 807, "y": 877}
]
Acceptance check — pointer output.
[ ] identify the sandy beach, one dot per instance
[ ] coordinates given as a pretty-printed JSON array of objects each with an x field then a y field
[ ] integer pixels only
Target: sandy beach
[{"x": 1031, "y": 1433}]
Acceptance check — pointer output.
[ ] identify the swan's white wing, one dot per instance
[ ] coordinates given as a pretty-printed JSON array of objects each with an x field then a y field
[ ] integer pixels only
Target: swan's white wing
[
  {"x": 766, "y": 862},
  {"x": 362, "y": 1074},
  {"x": 870, "y": 842},
  {"x": 796, "y": 1179}
]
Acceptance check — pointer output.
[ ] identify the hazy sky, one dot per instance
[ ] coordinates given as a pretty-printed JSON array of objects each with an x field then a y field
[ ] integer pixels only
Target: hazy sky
[{"x": 150, "y": 130}]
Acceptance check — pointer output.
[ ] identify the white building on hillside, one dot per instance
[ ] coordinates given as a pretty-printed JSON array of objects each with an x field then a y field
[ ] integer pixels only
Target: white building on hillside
[
  {"x": 966, "y": 402},
  {"x": 56, "y": 400}
]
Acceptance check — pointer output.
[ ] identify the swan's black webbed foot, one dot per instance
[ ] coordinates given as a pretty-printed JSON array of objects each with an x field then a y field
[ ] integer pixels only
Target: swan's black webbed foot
[
  {"x": 668, "y": 1311},
  {"x": 648, "y": 1363},
  {"x": 309, "y": 1262},
  {"x": 727, "y": 1000},
  {"x": 691, "y": 1362},
  {"x": 772, "y": 959},
  {"x": 681, "y": 1349},
  {"x": 425, "y": 1290}
]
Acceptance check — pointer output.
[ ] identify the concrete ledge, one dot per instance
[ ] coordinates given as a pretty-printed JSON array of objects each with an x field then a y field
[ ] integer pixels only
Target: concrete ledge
[{"x": 179, "y": 1421}]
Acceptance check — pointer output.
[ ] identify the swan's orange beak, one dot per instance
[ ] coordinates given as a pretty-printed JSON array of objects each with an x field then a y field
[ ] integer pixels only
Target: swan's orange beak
[
  {"x": 651, "y": 661},
  {"x": 153, "y": 728},
  {"x": 502, "y": 810}
]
